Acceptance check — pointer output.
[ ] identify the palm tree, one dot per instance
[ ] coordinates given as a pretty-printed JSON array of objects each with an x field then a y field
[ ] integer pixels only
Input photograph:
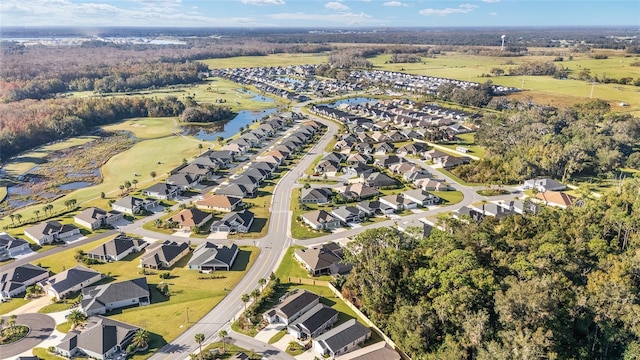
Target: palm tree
[
  {"x": 12, "y": 216},
  {"x": 37, "y": 214},
  {"x": 19, "y": 217},
  {"x": 199, "y": 339},
  {"x": 141, "y": 339},
  {"x": 135, "y": 183},
  {"x": 1, "y": 323},
  {"x": 255, "y": 294},
  {"x": 75, "y": 318},
  {"x": 200, "y": 148},
  {"x": 261, "y": 282},
  {"x": 121, "y": 187},
  {"x": 223, "y": 336},
  {"x": 153, "y": 175},
  {"x": 245, "y": 300},
  {"x": 12, "y": 320},
  {"x": 157, "y": 223}
]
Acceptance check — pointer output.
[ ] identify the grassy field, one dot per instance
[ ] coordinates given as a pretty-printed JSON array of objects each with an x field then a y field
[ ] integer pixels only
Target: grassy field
[
  {"x": 190, "y": 290},
  {"x": 468, "y": 141},
  {"x": 289, "y": 267},
  {"x": 269, "y": 60},
  {"x": 543, "y": 89},
  {"x": 146, "y": 128},
  {"x": 449, "y": 197}
]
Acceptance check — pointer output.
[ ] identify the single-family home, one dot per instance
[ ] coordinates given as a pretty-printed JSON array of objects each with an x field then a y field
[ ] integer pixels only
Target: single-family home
[
  {"x": 209, "y": 257},
  {"x": 324, "y": 259},
  {"x": 398, "y": 202},
  {"x": 240, "y": 221},
  {"x": 10, "y": 247},
  {"x": 358, "y": 158},
  {"x": 184, "y": 181},
  {"x": 292, "y": 305},
  {"x": 219, "y": 203},
  {"x": 117, "y": 248},
  {"x": 386, "y": 161},
  {"x": 48, "y": 232},
  {"x": 163, "y": 255},
  {"x": 97, "y": 300},
  {"x": 364, "y": 148},
  {"x": 377, "y": 351},
  {"x": 435, "y": 156},
  {"x": 384, "y": 148},
  {"x": 100, "y": 339},
  {"x": 71, "y": 280},
  {"x": 250, "y": 183},
  {"x": 556, "y": 198},
  {"x": 341, "y": 339},
  {"x": 348, "y": 214},
  {"x": 357, "y": 169},
  {"x": 431, "y": 185},
  {"x": 187, "y": 219},
  {"x": 373, "y": 208},
  {"x": 543, "y": 184},
  {"x": 202, "y": 172},
  {"x": 162, "y": 191},
  {"x": 379, "y": 180},
  {"x": 357, "y": 191},
  {"x": 133, "y": 205},
  {"x": 95, "y": 218},
  {"x": 313, "y": 323},
  {"x": 321, "y": 195},
  {"x": 327, "y": 166},
  {"x": 421, "y": 197},
  {"x": 321, "y": 220},
  {"x": 15, "y": 280},
  {"x": 235, "y": 190}
]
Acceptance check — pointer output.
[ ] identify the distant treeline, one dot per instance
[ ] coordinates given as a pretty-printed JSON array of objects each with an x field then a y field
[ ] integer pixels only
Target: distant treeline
[{"x": 29, "y": 123}]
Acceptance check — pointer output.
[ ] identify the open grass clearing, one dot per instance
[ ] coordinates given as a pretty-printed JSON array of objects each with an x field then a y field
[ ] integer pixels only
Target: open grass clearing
[
  {"x": 146, "y": 128},
  {"x": 468, "y": 141},
  {"x": 449, "y": 197},
  {"x": 268, "y": 60}
]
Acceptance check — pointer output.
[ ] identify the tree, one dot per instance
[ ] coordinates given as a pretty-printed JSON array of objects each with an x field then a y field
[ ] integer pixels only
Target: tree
[
  {"x": 262, "y": 282},
  {"x": 141, "y": 339},
  {"x": 199, "y": 337},
  {"x": 200, "y": 146},
  {"x": 12, "y": 320},
  {"x": 12, "y": 216},
  {"x": 157, "y": 223},
  {"x": 19, "y": 217},
  {"x": 153, "y": 175},
  {"x": 75, "y": 318},
  {"x": 121, "y": 187},
  {"x": 37, "y": 214},
  {"x": 135, "y": 183},
  {"x": 1, "y": 323},
  {"x": 127, "y": 185},
  {"x": 255, "y": 294},
  {"x": 223, "y": 336},
  {"x": 245, "y": 299}
]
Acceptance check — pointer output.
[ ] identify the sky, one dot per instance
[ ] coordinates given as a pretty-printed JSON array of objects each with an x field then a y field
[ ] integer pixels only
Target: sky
[{"x": 319, "y": 13}]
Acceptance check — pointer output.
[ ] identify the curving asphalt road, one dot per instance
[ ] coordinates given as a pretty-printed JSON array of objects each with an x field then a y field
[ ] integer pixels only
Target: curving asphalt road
[{"x": 41, "y": 327}]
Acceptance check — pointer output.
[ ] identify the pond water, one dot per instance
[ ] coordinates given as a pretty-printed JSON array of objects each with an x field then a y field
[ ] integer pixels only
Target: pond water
[
  {"x": 225, "y": 128},
  {"x": 75, "y": 185},
  {"x": 95, "y": 172},
  {"x": 257, "y": 97},
  {"x": 355, "y": 100}
]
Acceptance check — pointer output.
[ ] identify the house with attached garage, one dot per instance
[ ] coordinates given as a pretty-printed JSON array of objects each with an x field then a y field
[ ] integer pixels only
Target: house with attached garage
[
  {"x": 321, "y": 195},
  {"x": 162, "y": 191},
  {"x": 133, "y": 205},
  {"x": 220, "y": 203},
  {"x": 100, "y": 339},
  {"x": 543, "y": 184},
  {"x": 421, "y": 197},
  {"x": 98, "y": 300},
  {"x": 398, "y": 202},
  {"x": 249, "y": 182},
  {"x": 10, "y": 247},
  {"x": 117, "y": 248},
  {"x": 313, "y": 323},
  {"x": 341, "y": 339},
  {"x": 357, "y": 191},
  {"x": 15, "y": 281},
  {"x": 209, "y": 257},
  {"x": 348, "y": 214},
  {"x": 235, "y": 190},
  {"x": 240, "y": 221},
  {"x": 48, "y": 232},
  {"x": 373, "y": 208},
  {"x": 71, "y": 280},
  {"x": 358, "y": 169},
  {"x": 324, "y": 259},
  {"x": 292, "y": 305},
  {"x": 184, "y": 181},
  {"x": 187, "y": 219},
  {"x": 163, "y": 255},
  {"x": 377, "y": 351},
  {"x": 95, "y": 218},
  {"x": 378, "y": 180},
  {"x": 321, "y": 220}
]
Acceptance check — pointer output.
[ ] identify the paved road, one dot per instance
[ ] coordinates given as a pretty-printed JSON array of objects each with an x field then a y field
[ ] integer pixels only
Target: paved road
[{"x": 41, "y": 327}]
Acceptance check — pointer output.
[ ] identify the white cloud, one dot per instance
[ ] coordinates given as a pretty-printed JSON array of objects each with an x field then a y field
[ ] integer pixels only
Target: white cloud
[
  {"x": 491, "y": 1},
  {"x": 346, "y": 18},
  {"x": 461, "y": 9},
  {"x": 338, "y": 6},
  {"x": 263, "y": 2},
  {"x": 394, "y": 3},
  {"x": 493, "y": 13}
]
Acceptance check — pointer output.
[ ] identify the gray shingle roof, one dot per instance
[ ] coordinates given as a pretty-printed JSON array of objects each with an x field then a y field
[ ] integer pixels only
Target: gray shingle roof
[
  {"x": 97, "y": 296},
  {"x": 343, "y": 335}
]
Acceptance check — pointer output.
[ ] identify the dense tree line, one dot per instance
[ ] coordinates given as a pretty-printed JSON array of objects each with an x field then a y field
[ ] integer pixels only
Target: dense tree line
[
  {"x": 206, "y": 113},
  {"x": 586, "y": 139},
  {"x": 560, "y": 284},
  {"x": 478, "y": 96},
  {"x": 30, "y": 123}
]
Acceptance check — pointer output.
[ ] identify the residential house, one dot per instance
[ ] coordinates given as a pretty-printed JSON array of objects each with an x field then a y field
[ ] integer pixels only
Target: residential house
[
  {"x": 327, "y": 166},
  {"x": 133, "y": 205},
  {"x": 364, "y": 148},
  {"x": 249, "y": 182},
  {"x": 321, "y": 195},
  {"x": 415, "y": 175},
  {"x": 95, "y": 218},
  {"x": 97, "y": 300},
  {"x": 373, "y": 208},
  {"x": 291, "y": 307},
  {"x": 386, "y": 161},
  {"x": 187, "y": 219},
  {"x": 348, "y": 214},
  {"x": 421, "y": 197},
  {"x": 162, "y": 191},
  {"x": 101, "y": 338},
  {"x": 543, "y": 184},
  {"x": 11, "y": 247},
  {"x": 384, "y": 148},
  {"x": 48, "y": 232},
  {"x": 357, "y": 191},
  {"x": 163, "y": 255},
  {"x": 184, "y": 181},
  {"x": 235, "y": 190},
  {"x": 358, "y": 169},
  {"x": 240, "y": 221},
  {"x": 341, "y": 339},
  {"x": 16, "y": 280},
  {"x": 321, "y": 220},
  {"x": 431, "y": 185},
  {"x": 237, "y": 148},
  {"x": 117, "y": 248},
  {"x": 313, "y": 323},
  {"x": 416, "y": 148},
  {"x": 556, "y": 198},
  {"x": 358, "y": 158},
  {"x": 423, "y": 229},
  {"x": 377, "y": 351},
  {"x": 398, "y": 202},
  {"x": 404, "y": 168},
  {"x": 435, "y": 156},
  {"x": 466, "y": 212},
  {"x": 268, "y": 164},
  {"x": 335, "y": 157},
  {"x": 379, "y": 180},
  {"x": 451, "y": 161},
  {"x": 494, "y": 210},
  {"x": 71, "y": 280},
  {"x": 257, "y": 173},
  {"x": 521, "y": 206},
  {"x": 209, "y": 257},
  {"x": 220, "y": 203},
  {"x": 324, "y": 259}
]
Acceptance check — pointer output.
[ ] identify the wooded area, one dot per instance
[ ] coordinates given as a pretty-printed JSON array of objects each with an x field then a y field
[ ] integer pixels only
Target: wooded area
[{"x": 561, "y": 284}]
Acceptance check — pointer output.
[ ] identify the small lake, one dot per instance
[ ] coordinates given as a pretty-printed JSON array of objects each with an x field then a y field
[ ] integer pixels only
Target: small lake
[
  {"x": 256, "y": 97},
  {"x": 75, "y": 185},
  {"x": 354, "y": 101},
  {"x": 226, "y": 129}
]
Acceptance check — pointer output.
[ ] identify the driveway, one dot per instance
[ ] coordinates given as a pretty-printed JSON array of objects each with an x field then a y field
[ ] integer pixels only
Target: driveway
[{"x": 41, "y": 326}]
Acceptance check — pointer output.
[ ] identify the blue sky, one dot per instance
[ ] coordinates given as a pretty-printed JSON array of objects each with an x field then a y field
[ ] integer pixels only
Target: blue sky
[{"x": 319, "y": 13}]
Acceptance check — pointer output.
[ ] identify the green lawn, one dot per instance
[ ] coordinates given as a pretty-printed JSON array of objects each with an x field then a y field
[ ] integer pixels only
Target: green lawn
[
  {"x": 8, "y": 306},
  {"x": 146, "y": 128},
  {"x": 289, "y": 267},
  {"x": 279, "y": 335},
  {"x": 299, "y": 229},
  {"x": 457, "y": 179},
  {"x": 230, "y": 351},
  {"x": 468, "y": 141},
  {"x": 269, "y": 60},
  {"x": 449, "y": 197}
]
